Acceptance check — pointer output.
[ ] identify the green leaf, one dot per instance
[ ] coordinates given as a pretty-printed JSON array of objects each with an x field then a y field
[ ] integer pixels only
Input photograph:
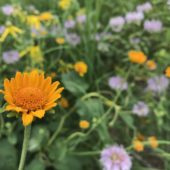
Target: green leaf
[
  {"x": 36, "y": 164},
  {"x": 128, "y": 119}
]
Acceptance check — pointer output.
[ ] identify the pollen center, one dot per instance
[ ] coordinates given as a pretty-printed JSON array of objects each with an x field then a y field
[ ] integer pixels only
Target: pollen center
[{"x": 30, "y": 98}]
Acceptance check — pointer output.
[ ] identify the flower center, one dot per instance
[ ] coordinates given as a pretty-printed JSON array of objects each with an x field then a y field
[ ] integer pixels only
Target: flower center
[
  {"x": 116, "y": 157},
  {"x": 30, "y": 98}
]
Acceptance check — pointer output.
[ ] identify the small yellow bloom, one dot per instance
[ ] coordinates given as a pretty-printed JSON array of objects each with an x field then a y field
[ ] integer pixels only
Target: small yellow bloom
[
  {"x": 153, "y": 142},
  {"x": 36, "y": 53},
  {"x": 81, "y": 68},
  {"x": 84, "y": 124},
  {"x": 64, "y": 102},
  {"x": 33, "y": 21},
  {"x": 138, "y": 145},
  {"x": 137, "y": 57},
  {"x": 167, "y": 72},
  {"x": 31, "y": 95},
  {"x": 10, "y": 30},
  {"x": 64, "y": 4},
  {"x": 60, "y": 41},
  {"x": 46, "y": 16},
  {"x": 151, "y": 65}
]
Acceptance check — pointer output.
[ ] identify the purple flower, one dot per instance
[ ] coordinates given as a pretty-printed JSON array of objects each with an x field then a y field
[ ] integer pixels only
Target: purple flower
[
  {"x": 2, "y": 29},
  {"x": 140, "y": 109},
  {"x": 118, "y": 83},
  {"x": 153, "y": 25},
  {"x": 73, "y": 39},
  {"x": 117, "y": 23},
  {"x": 8, "y": 9},
  {"x": 144, "y": 7},
  {"x": 157, "y": 84},
  {"x": 115, "y": 158},
  {"x": 81, "y": 19},
  {"x": 69, "y": 24},
  {"x": 10, "y": 57},
  {"x": 134, "y": 17}
]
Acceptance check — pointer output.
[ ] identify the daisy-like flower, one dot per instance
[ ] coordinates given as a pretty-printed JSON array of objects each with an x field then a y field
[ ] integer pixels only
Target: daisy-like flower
[
  {"x": 46, "y": 16},
  {"x": 115, "y": 158},
  {"x": 81, "y": 68},
  {"x": 146, "y": 7},
  {"x": 134, "y": 17},
  {"x": 31, "y": 95},
  {"x": 151, "y": 64},
  {"x": 117, "y": 23},
  {"x": 167, "y": 72},
  {"x": 137, "y": 57}
]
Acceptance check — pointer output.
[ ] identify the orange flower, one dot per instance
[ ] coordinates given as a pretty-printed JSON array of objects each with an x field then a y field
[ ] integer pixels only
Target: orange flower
[
  {"x": 64, "y": 102},
  {"x": 137, "y": 57},
  {"x": 138, "y": 145},
  {"x": 84, "y": 124},
  {"x": 31, "y": 95},
  {"x": 167, "y": 72},
  {"x": 151, "y": 64},
  {"x": 81, "y": 68},
  {"x": 153, "y": 141},
  {"x": 45, "y": 16},
  {"x": 60, "y": 41}
]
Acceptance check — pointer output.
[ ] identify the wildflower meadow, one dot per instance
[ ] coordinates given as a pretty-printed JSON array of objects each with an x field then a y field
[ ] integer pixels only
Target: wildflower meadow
[{"x": 84, "y": 85}]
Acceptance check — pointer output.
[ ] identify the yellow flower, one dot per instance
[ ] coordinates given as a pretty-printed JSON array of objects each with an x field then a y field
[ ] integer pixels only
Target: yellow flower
[
  {"x": 64, "y": 102},
  {"x": 153, "y": 142},
  {"x": 167, "y": 72},
  {"x": 33, "y": 21},
  {"x": 10, "y": 30},
  {"x": 31, "y": 94},
  {"x": 45, "y": 16},
  {"x": 151, "y": 64},
  {"x": 137, "y": 57},
  {"x": 81, "y": 68},
  {"x": 60, "y": 41},
  {"x": 138, "y": 145},
  {"x": 84, "y": 124},
  {"x": 64, "y": 4},
  {"x": 36, "y": 54}
]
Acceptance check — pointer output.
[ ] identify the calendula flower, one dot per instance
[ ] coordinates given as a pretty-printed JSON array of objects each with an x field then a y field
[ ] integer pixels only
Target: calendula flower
[
  {"x": 138, "y": 145},
  {"x": 10, "y": 30},
  {"x": 81, "y": 68},
  {"x": 60, "y": 40},
  {"x": 137, "y": 57},
  {"x": 33, "y": 21},
  {"x": 167, "y": 72},
  {"x": 46, "y": 16},
  {"x": 151, "y": 64},
  {"x": 64, "y": 102},
  {"x": 84, "y": 124},
  {"x": 153, "y": 142},
  {"x": 64, "y": 4},
  {"x": 31, "y": 95}
]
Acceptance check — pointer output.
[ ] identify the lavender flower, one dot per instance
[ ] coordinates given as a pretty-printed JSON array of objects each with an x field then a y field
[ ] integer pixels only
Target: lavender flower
[
  {"x": 118, "y": 83},
  {"x": 115, "y": 158},
  {"x": 144, "y": 7},
  {"x": 8, "y": 9},
  {"x": 153, "y": 25},
  {"x": 73, "y": 39},
  {"x": 69, "y": 24},
  {"x": 117, "y": 23},
  {"x": 2, "y": 29},
  {"x": 134, "y": 17},
  {"x": 10, "y": 57},
  {"x": 81, "y": 19},
  {"x": 140, "y": 109},
  {"x": 157, "y": 84}
]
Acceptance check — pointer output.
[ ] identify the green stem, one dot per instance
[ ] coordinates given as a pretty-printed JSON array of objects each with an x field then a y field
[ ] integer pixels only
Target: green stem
[{"x": 27, "y": 132}]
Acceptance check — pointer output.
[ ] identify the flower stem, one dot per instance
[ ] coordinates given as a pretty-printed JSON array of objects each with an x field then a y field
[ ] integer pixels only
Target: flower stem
[{"x": 27, "y": 132}]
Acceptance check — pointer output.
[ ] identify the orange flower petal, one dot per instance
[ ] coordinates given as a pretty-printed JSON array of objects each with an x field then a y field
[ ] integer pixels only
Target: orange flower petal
[
  {"x": 13, "y": 108},
  {"x": 40, "y": 113},
  {"x": 27, "y": 119}
]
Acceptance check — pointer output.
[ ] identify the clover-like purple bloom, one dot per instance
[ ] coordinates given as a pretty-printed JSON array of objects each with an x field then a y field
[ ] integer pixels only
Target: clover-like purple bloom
[
  {"x": 69, "y": 24},
  {"x": 115, "y": 158},
  {"x": 157, "y": 84},
  {"x": 140, "y": 109},
  {"x": 10, "y": 57},
  {"x": 134, "y": 17},
  {"x": 73, "y": 39},
  {"x": 153, "y": 26},
  {"x": 118, "y": 83},
  {"x": 144, "y": 7},
  {"x": 8, "y": 9},
  {"x": 117, "y": 23},
  {"x": 81, "y": 19}
]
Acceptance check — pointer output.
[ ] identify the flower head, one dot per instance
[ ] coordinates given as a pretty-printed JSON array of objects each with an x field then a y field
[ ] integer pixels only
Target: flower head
[
  {"x": 73, "y": 39},
  {"x": 138, "y": 145},
  {"x": 117, "y": 23},
  {"x": 144, "y": 7},
  {"x": 60, "y": 41},
  {"x": 118, "y": 83},
  {"x": 157, "y": 84},
  {"x": 153, "y": 142},
  {"x": 70, "y": 23},
  {"x": 81, "y": 68},
  {"x": 33, "y": 21},
  {"x": 153, "y": 26},
  {"x": 31, "y": 95},
  {"x": 140, "y": 109},
  {"x": 46, "y": 16},
  {"x": 64, "y": 4},
  {"x": 10, "y": 57},
  {"x": 151, "y": 64},
  {"x": 84, "y": 124},
  {"x": 167, "y": 72},
  {"x": 81, "y": 19},
  {"x": 115, "y": 158},
  {"x": 137, "y": 57},
  {"x": 8, "y": 9},
  {"x": 134, "y": 17}
]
